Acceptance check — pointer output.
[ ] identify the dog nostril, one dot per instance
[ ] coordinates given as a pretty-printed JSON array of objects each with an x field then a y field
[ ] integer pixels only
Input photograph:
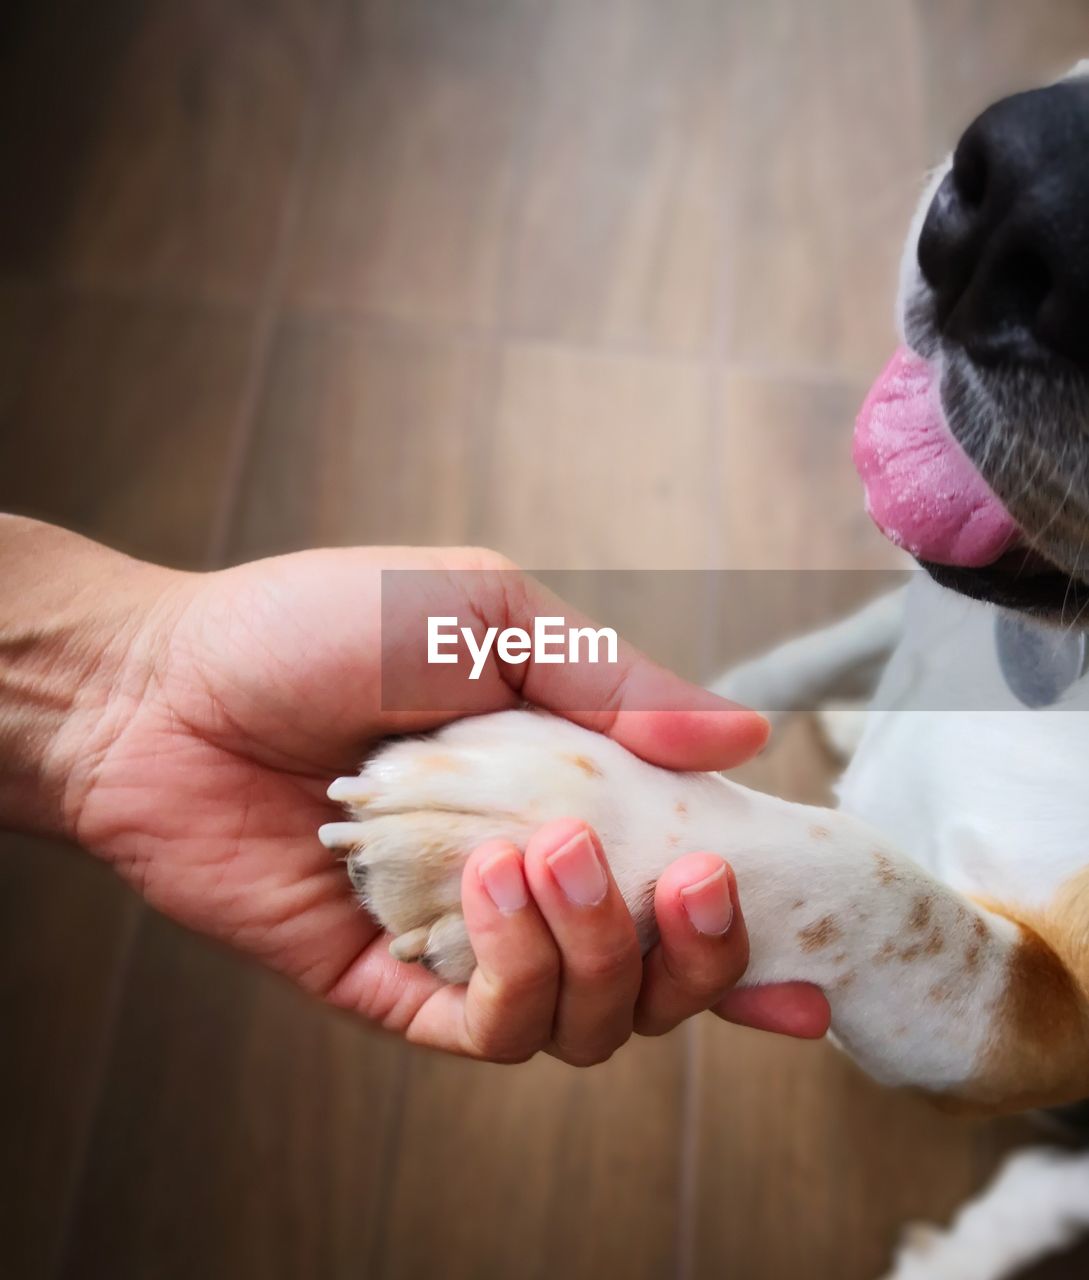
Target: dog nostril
[
  {"x": 1026, "y": 281},
  {"x": 947, "y": 247}
]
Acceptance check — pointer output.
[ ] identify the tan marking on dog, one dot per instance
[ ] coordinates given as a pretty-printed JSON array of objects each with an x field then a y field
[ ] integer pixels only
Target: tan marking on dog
[
  {"x": 971, "y": 958},
  {"x": 822, "y": 933},
  {"x": 681, "y": 809},
  {"x": 843, "y": 982},
  {"x": 935, "y": 942},
  {"x": 888, "y": 952},
  {"x": 673, "y": 841},
  {"x": 1039, "y": 1050},
  {"x": 797, "y": 904},
  {"x": 584, "y": 763},
  {"x": 819, "y": 833},
  {"x": 921, "y": 912},
  {"x": 886, "y": 872}
]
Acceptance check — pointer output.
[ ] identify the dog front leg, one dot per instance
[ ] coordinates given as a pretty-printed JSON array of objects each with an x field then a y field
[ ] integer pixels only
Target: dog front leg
[{"x": 927, "y": 987}]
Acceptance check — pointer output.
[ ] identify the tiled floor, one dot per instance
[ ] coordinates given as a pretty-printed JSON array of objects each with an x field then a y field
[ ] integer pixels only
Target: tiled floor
[{"x": 597, "y": 283}]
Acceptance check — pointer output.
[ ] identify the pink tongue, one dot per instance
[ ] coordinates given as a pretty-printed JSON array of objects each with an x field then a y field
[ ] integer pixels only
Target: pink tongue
[{"x": 921, "y": 489}]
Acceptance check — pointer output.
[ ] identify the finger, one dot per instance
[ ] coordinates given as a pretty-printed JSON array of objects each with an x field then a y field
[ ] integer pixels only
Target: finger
[
  {"x": 704, "y": 947},
  {"x": 511, "y": 1001},
  {"x": 788, "y": 1008},
  {"x": 506, "y": 1012},
  {"x": 600, "y": 964}
]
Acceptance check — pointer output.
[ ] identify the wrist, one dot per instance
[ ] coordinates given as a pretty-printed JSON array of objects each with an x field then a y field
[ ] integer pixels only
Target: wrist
[{"x": 79, "y": 637}]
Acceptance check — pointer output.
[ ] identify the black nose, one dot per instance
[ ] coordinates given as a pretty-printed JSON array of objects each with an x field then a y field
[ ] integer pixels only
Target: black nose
[{"x": 1005, "y": 244}]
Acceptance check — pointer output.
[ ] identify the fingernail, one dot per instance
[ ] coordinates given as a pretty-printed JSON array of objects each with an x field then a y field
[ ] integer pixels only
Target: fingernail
[
  {"x": 579, "y": 872},
  {"x": 707, "y": 904},
  {"x": 503, "y": 881}
]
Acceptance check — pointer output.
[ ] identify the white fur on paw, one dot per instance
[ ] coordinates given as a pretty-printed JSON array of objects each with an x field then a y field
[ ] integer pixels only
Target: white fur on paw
[{"x": 420, "y": 806}]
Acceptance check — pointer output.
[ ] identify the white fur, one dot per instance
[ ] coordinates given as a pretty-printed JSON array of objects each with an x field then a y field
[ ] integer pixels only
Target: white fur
[{"x": 1038, "y": 1204}]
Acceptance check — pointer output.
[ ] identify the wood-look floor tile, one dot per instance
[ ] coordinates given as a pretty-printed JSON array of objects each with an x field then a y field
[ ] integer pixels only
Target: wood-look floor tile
[
  {"x": 826, "y": 162},
  {"x": 538, "y": 1170},
  {"x": 364, "y": 435},
  {"x": 243, "y": 1130},
  {"x": 65, "y": 928},
  {"x": 120, "y": 421},
  {"x": 790, "y": 497},
  {"x": 598, "y": 461},
  {"x": 58, "y": 63},
  {"x": 975, "y": 51},
  {"x": 408, "y": 198},
  {"x": 184, "y": 182},
  {"x": 618, "y": 226}
]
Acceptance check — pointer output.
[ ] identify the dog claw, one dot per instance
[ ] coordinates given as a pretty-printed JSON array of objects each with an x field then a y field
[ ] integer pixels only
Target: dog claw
[
  {"x": 349, "y": 791},
  {"x": 410, "y": 946},
  {"x": 341, "y": 835}
]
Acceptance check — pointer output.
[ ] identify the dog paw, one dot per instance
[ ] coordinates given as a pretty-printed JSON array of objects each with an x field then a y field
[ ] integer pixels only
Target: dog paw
[{"x": 420, "y": 806}]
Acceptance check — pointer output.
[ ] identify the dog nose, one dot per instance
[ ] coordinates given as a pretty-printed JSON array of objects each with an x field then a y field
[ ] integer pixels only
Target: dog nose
[{"x": 1005, "y": 243}]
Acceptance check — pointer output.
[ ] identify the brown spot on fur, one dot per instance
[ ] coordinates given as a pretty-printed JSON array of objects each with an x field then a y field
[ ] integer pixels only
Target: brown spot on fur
[
  {"x": 819, "y": 833},
  {"x": 886, "y": 872},
  {"x": 971, "y": 958},
  {"x": 887, "y": 953},
  {"x": 843, "y": 982},
  {"x": 940, "y": 993},
  {"x": 673, "y": 841},
  {"x": 912, "y": 953},
  {"x": 797, "y": 904},
  {"x": 681, "y": 809},
  {"x": 586, "y": 765},
  {"x": 822, "y": 933},
  {"x": 921, "y": 913},
  {"x": 935, "y": 942}
]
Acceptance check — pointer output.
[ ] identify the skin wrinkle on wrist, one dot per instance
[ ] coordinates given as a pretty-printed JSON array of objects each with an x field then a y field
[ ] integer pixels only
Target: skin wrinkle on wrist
[{"x": 63, "y": 648}]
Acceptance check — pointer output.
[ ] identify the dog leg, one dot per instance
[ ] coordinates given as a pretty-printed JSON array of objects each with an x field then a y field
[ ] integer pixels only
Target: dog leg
[
  {"x": 840, "y": 661},
  {"x": 1037, "y": 1205},
  {"x": 927, "y": 988}
]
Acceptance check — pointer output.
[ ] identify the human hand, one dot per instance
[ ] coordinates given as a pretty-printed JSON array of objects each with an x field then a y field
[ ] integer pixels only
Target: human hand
[{"x": 197, "y": 753}]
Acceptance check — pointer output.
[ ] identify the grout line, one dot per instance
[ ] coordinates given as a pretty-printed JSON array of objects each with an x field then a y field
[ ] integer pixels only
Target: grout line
[
  {"x": 500, "y": 333},
  {"x": 338, "y": 316},
  {"x": 271, "y": 298},
  {"x": 688, "y": 1153},
  {"x": 390, "y": 1163}
]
